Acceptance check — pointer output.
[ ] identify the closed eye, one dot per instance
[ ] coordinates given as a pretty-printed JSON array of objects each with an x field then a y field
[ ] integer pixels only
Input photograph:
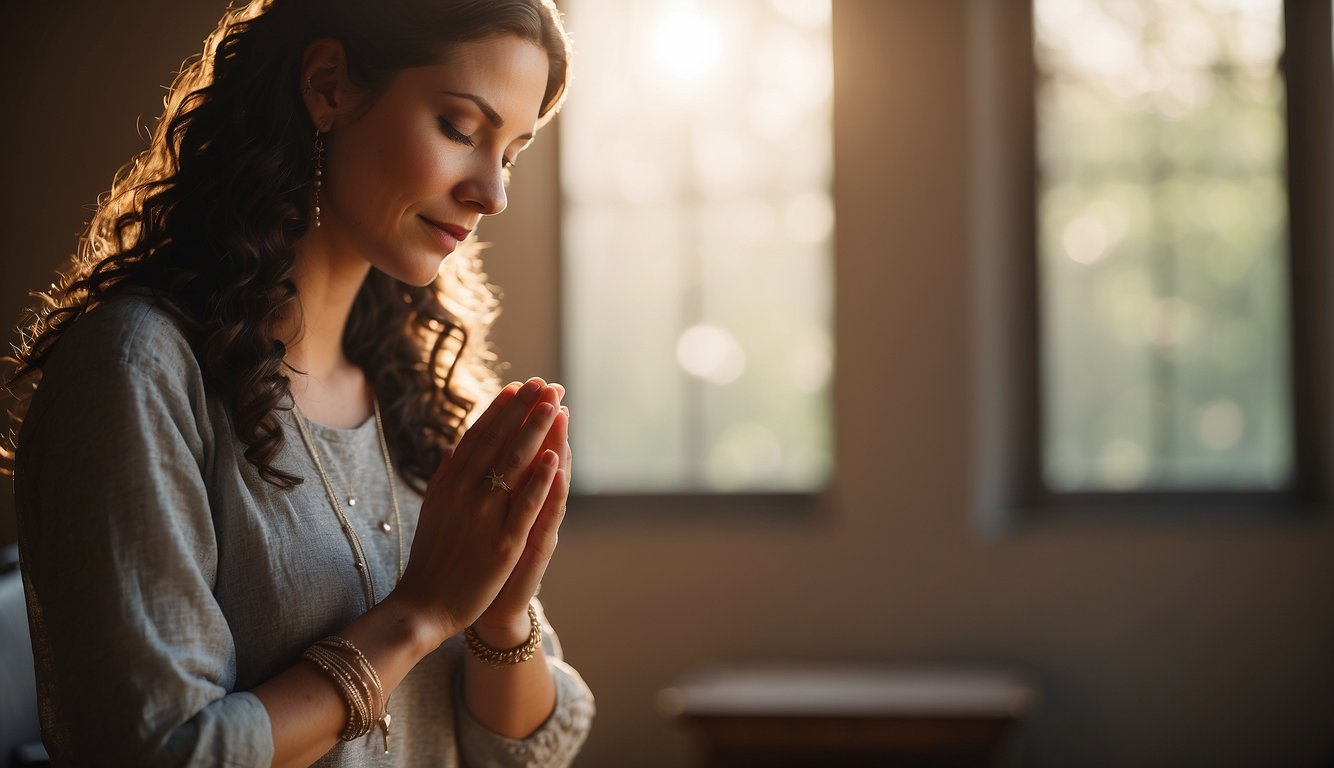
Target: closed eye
[{"x": 455, "y": 134}]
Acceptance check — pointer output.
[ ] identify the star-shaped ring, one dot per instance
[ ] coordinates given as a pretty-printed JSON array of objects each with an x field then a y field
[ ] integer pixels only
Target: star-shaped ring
[{"x": 498, "y": 481}]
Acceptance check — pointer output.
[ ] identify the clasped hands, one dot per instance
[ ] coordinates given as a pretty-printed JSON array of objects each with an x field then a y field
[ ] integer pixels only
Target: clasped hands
[{"x": 480, "y": 550}]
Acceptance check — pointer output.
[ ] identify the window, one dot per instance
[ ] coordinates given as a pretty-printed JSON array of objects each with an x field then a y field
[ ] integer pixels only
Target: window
[
  {"x": 1163, "y": 241},
  {"x": 1150, "y": 196},
  {"x": 697, "y": 226}
]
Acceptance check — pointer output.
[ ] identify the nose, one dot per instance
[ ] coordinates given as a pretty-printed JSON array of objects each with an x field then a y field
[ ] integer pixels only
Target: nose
[{"x": 483, "y": 191}]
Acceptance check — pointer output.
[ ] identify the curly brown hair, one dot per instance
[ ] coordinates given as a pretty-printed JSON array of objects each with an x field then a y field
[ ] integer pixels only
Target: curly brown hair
[{"x": 207, "y": 216}]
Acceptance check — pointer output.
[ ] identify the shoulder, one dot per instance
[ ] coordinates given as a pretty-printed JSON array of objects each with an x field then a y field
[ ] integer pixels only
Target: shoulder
[
  {"x": 123, "y": 377},
  {"x": 130, "y": 346},
  {"x": 131, "y": 331},
  {"x": 131, "y": 328}
]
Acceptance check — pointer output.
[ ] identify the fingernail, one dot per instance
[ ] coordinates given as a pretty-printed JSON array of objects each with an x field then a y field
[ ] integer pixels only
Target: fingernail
[
  {"x": 550, "y": 458},
  {"x": 532, "y": 386},
  {"x": 545, "y": 409}
]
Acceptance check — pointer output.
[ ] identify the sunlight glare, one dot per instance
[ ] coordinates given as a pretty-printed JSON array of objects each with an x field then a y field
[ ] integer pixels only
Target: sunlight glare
[
  {"x": 688, "y": 42},
  {"x": 711, "y": 353},
  {"x": 1085, "y": 239},
  {"x": 805, "y": 13}
]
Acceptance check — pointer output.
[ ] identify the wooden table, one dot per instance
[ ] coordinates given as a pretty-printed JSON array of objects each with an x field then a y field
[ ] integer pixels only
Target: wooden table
[{"x": 850, "y": 716}]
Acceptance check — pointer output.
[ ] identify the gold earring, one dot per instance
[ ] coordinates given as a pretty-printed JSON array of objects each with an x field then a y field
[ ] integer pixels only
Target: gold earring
[{"x": 319, "y": 173}]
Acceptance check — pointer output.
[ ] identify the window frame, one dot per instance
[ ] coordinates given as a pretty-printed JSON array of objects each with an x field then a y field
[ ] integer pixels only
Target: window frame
[{"x": 1009, "y": 492}]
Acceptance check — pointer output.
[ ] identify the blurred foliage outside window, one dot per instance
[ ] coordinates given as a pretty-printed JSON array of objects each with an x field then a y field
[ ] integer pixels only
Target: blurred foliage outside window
[
  {"x": 1163, "y": 238},
  {"x": 696, "y": 157}
]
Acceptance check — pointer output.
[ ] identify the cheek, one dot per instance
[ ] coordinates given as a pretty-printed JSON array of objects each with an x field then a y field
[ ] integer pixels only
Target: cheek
[
  {"x": 414, "y": 161},
  {"x": 387, "y": 168}
]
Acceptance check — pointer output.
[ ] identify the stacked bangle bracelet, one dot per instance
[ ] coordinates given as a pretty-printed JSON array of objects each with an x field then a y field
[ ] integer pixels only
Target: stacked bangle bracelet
[
  {"x": 496, "y": 657},
  {"x": 359, "y": 684}
]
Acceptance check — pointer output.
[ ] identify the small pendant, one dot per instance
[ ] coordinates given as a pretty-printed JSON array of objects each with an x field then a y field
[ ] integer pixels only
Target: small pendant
[
  {"x": 385, "y": 526},
  {"x": 352, "y": 501}
]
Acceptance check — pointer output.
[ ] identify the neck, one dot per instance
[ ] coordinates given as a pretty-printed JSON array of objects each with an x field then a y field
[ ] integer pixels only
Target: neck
[{"x": 327, "y": 275}]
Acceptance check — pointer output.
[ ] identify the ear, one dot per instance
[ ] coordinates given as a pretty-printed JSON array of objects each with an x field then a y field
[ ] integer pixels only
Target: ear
[{"x": 325, "y": 88}]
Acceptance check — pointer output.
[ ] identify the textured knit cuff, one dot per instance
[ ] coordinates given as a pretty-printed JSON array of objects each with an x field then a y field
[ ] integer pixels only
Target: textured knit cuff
[{"x": 553, "y": 745}]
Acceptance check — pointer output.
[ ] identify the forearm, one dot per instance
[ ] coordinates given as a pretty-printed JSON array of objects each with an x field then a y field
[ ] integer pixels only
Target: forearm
[
  {"x": 307, "y": 711},
  {"x": 514, "y": 700}
]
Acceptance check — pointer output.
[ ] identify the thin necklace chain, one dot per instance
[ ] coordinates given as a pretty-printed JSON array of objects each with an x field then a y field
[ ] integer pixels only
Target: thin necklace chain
[{"x": 358, "y": 553}]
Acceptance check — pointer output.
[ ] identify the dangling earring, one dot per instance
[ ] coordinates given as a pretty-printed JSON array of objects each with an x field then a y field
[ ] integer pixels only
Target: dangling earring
[
  {"x": 319, "y": 152},
  {"x": 319, "y": 173}
]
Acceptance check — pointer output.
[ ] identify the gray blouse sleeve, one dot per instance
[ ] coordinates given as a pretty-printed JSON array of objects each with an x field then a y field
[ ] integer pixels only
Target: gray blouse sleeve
[
  {"x": 555, "y": 743},
  {"x": 135, "y": 660}
]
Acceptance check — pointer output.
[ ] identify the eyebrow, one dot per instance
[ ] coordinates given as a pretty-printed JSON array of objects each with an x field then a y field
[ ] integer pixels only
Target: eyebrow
[{"x": 492, "y": 116}]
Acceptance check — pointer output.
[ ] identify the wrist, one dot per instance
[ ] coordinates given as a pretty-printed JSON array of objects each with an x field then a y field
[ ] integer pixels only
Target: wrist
[
  {"x": 505, "y": 656},
  {"x": 504, "y": 632},
  {"x": 418, "y": 629}
]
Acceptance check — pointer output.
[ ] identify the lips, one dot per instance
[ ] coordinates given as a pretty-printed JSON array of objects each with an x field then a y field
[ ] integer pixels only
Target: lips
[{"x": 453, "y": 230}]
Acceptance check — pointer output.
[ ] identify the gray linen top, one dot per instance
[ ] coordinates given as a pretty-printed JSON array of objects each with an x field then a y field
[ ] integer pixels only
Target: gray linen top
[{"x": 165, "y": 578}]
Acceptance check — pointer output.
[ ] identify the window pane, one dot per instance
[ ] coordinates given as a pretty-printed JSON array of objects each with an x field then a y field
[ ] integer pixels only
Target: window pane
[
  {"x": 695, "y": 164},
  {"x": 1163, "y": 237}
]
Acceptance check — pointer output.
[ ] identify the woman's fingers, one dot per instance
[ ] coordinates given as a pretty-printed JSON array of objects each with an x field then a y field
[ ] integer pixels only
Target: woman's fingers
[
  {"x": 567, "y": 459},
  {"x": 472, "y": 536},
  {"x": 543, "y": 534},
  {"x": 538, "y": 550},
  {"x": 518, "y": 453},
  {"x": 467, "y": 445},
  {"x": 555, "y": 440},
  {"x": 507, "y": 445},
  {"x": 543, "y": 524},
  {"x": 542, "y": 538},
  {"x": 530, "y": 499},
  {"x": 542, "y": 528},
  {"x": 497, "y": 405},
  {"x": 553, "y": 508},
  {"x": 553, "y": 511},
  {"x": 558, "y": 437}
]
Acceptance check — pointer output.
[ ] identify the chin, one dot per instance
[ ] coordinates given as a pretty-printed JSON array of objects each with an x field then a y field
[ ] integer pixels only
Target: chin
[
  {"x": 419, "y": 269},
  {"x": 423, "y": 277}
]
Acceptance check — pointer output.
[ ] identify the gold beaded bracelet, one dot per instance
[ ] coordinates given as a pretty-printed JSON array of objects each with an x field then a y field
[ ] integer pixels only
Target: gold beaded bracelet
[{"x": 496, "y": 657}]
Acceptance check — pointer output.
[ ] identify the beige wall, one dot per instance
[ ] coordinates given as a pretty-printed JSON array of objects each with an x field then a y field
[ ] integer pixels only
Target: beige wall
[{"x": 1156, "y": 643}]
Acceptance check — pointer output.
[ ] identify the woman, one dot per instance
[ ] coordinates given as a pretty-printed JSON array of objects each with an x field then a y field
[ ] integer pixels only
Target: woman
[{"x": 254, "y": 523}]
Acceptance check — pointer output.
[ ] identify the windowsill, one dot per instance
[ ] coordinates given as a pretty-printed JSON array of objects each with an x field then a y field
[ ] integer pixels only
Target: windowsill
[
  {"x": 1074, "y": 512},
  {"x": 698, "y": 506}
]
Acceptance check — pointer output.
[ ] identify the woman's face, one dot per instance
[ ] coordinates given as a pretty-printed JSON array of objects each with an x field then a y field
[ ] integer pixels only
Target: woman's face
[{"x": 413, "y": 176}]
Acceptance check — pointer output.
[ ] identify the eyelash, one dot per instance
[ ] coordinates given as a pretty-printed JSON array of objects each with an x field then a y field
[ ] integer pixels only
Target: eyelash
[{"x": 456, "y": 135}]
